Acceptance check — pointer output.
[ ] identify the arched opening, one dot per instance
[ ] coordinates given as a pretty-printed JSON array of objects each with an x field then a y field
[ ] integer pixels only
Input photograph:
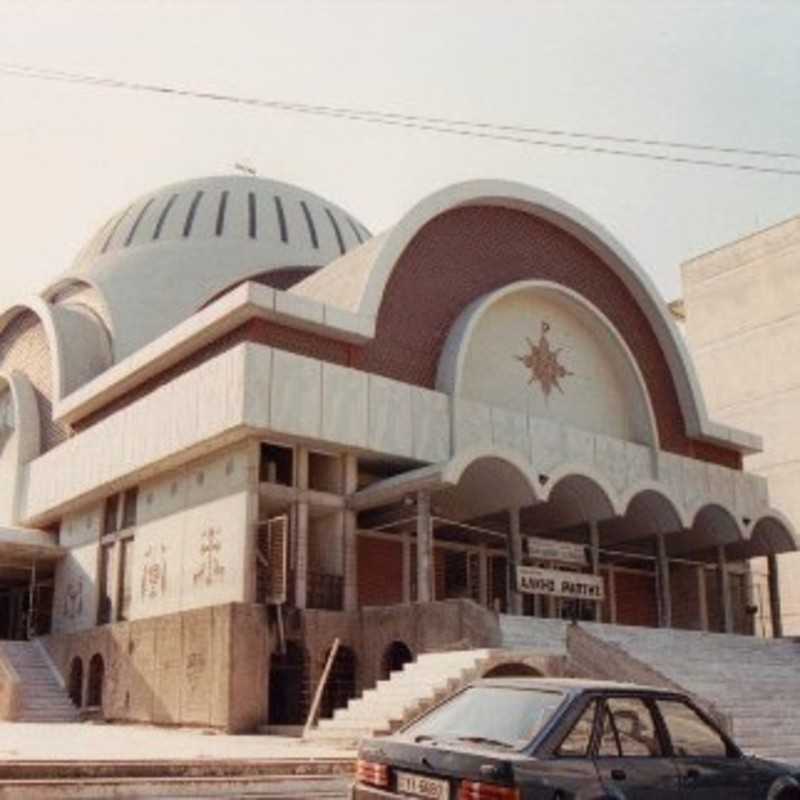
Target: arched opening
[
  {"x": 341, "y": 685},
  {"x": 75, "y": 686},
  {"x": 288, "y": 686},
  {"x": 94, "y": 690},
  {"x": 395, "y": 657},
  {"x": 513, "y": 670}
]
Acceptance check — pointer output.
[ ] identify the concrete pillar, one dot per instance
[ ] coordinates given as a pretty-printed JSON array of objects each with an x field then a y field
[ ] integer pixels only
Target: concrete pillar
[
  {"x": 664, "y": 588},
  {"x": 407, "y": 567},
  {"x": 594, "y": 555},
  {"x": 350, "y": 533},
  {"x": 301, "y": 531},
  {"x": 483, "y": 575},
  {"x": 724, "y": 591},
  {"x": 612, "y": 595},
  {"x": 702, "y": 596},
  {"x": 774, "y": 596},
  {"x": 514, "y": 560},
  {"x": 424, "y": 549}
]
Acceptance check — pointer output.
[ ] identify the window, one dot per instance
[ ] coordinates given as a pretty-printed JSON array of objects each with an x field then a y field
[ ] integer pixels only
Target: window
[
  {"x": 691, "y": 735},
  {"x": 576, "y": 744},
  {"x": 126, "y": 578},
  {"x": 110, "y": 517},
  {"x": 628, "y": 729},
  {"x": 129, "y": 502}
]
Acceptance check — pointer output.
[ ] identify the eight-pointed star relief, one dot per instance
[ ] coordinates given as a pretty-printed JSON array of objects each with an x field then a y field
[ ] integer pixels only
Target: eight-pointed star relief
[{"x": 543, "y": 363}]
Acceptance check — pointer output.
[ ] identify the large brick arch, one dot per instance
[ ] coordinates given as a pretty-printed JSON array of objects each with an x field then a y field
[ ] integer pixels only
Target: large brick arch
[{"x": 468, "y": 252}]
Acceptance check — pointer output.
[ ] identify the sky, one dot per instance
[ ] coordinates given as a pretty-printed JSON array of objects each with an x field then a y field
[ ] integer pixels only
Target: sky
[{"x": 705, "y": 72}]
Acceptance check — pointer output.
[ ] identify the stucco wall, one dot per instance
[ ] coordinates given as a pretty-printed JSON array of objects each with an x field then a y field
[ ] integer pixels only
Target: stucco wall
[{"x": 743, "y": 327}]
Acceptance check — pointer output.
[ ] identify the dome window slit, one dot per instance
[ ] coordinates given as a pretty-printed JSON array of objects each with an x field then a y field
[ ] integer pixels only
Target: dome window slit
[
  {"x": 223, "y": 202},
  {"x": 162, "y": 217},
  {"x": 312, "y": 231},
  {"x": 187, "y": 226},
  {"x": 137, "y": 221},
  {"x": 356, "y": 231},
  {"x": 114, "y": 228},
  {"x": 281, "y": 219},
  {"x": 251, "y": 215},
  {"x": 335, "y": 226}
]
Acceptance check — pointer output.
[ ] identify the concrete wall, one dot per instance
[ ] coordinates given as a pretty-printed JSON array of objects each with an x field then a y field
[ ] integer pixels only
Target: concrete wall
[
  {"x": 743, "y": 327},
  {"x": 204, "y": 667},
  {"x": 192, "y": 543}
]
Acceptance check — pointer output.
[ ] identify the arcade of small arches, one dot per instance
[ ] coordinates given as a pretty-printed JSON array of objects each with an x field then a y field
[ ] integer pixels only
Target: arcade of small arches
[{"x": 461, "y": 530}]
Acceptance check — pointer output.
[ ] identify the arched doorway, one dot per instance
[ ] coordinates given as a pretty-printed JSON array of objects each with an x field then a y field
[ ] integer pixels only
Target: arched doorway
[
  {"x": 76, "y": 681},
  {"x": 341, "y": 685},
  {"x": 288, "y": 686},
  {"x": 395, "y": 657},
  {"x": 513, "y": 670},
  {"x": 94, "y": 690}
]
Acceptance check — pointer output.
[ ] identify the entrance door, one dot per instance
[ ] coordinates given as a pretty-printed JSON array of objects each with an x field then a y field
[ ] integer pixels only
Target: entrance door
[{"x": 632, "y": 760}]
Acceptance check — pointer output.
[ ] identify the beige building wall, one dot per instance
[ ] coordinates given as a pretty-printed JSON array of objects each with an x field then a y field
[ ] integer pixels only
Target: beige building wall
[{"x": 742, "y": 305}]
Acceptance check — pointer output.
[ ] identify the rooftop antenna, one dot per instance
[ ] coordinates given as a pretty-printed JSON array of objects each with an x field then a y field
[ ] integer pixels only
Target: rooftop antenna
[{"x": 245, "y": 168}]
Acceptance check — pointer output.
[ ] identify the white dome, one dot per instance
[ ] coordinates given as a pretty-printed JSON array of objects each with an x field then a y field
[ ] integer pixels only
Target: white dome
[{"x": 170, "y": 251}]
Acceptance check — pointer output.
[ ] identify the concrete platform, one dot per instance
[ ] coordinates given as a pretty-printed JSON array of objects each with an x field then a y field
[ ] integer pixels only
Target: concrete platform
[{"x": 89, "y": 760}]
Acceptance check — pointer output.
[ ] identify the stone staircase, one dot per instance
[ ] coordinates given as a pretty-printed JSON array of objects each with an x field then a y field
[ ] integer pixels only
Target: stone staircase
[
  {"x": 403, "y": 695},
  {"x": 43, "y": 697},
  {"x": 755, "y": 682}
]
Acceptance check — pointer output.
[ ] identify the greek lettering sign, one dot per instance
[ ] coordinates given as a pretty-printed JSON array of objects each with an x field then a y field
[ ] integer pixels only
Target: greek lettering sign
[
  {"x": 553, "y": 582},
  {"x": 552, "y": 550}
]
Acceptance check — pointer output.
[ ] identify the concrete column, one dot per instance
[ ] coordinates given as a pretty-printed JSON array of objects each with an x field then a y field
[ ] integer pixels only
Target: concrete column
[
  {"x": 724, "y": 591},
  {"x": 350, "y": 533},
  {"x": 301, "y": 531},
  {"x": 483, "y": 575},
  {"x": 407, "y": 567},
  {"x": 612, "y": 595},
  {"x": 594, "y": 554},
  {"x": 774, "y": 596},
  {"x": 514, "y": 560},
  {"x": 664, "y": 589},
  {"x": 702, "y": 595},
  {"x": 424, "y": 549}
]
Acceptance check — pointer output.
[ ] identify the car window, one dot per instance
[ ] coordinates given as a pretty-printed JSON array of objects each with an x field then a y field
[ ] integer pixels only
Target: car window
[
  {"x": 576, "y": 742},
  {"x": 502, "y": 715},
  {"x": 690, "y": 734},
  {"x": 628, "y": 729}
]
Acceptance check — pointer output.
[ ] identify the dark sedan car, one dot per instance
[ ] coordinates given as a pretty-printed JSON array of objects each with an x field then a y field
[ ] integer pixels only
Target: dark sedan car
[{"x": 556, "y": 739}]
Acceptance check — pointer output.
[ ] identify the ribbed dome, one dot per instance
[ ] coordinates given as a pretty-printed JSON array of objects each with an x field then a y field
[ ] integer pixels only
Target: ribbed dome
[
  {"x": 170, "y": 251},
  {"x": 234, "y": 207}
]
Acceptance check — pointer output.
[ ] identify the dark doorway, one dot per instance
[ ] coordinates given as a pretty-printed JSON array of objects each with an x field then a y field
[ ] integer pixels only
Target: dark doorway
[
  {"x": 396, "y": 656},
  {"x": 76, "y": 682},
  {"x": 288, "y": 686},
  {"x": 513, "y": 670},
  {"x": 94, "y": 691},
  {"x": 341, "y": 685}
]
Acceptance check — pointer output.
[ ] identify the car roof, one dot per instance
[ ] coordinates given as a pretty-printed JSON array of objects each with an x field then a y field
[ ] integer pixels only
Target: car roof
[{"x": 571, "y": 685}]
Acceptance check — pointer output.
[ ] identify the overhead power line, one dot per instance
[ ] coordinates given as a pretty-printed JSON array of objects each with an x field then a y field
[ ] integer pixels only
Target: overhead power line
[{"x": 455, "y": 127}]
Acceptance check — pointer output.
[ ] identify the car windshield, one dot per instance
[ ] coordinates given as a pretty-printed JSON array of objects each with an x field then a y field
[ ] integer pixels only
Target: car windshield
[{"x": 498, "y": 716}]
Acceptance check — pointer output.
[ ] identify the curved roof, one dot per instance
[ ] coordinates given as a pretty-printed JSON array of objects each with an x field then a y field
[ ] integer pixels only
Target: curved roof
[
  {"x": 358, "y": 280},
  {"x": 158, "y": 260}
]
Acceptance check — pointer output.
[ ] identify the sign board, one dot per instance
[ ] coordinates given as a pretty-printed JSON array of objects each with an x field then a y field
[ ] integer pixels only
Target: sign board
[
  {"x": 552, "y": 550},
  {"x": 555, "y": 583}
]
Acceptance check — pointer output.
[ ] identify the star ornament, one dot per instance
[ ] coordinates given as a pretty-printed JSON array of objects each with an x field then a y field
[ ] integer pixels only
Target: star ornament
[{"x": 543, "y": 363}]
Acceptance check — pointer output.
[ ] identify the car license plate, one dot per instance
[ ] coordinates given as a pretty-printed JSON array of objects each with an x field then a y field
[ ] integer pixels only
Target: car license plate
[{"x": 420, "y": 786}]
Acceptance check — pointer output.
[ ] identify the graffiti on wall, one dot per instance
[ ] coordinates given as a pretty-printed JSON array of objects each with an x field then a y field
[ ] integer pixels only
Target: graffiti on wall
[
  {"x": 211, "y": 570},
  {"x": 73, "y": 599},
  {"x": 154, "y": 572}
]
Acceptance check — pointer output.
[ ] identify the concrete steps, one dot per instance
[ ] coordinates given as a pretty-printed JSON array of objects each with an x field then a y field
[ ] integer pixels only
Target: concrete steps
[
  {"x": 756, "y": 682},
  {"x": 403, "y": 696},
  {"x": 43, "y": 698}
]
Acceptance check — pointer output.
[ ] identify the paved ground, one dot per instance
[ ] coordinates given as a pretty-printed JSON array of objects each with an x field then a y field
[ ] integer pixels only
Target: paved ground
[{"x": 27, "y": 741}]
